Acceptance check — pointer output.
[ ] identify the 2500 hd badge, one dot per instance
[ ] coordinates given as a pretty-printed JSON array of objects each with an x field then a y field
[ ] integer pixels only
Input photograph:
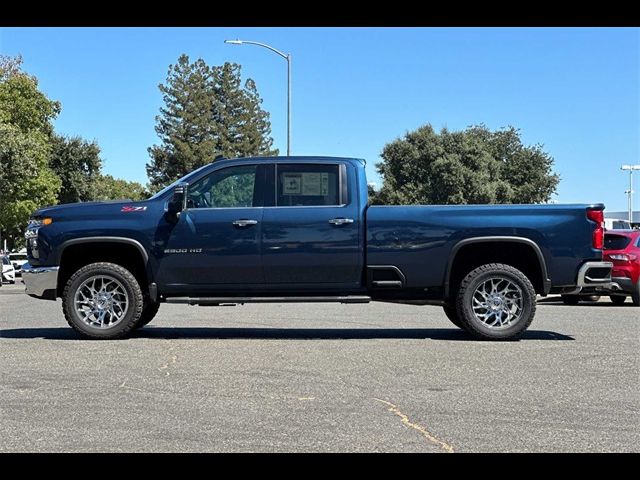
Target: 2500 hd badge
[{"x": 183, "y": 250}]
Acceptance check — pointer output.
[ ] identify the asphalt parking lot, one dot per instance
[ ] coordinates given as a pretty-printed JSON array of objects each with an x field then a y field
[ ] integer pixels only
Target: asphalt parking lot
[{"x": 319, "y": 377}]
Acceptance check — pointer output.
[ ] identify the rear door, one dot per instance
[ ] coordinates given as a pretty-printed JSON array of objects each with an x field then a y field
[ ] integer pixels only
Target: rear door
[{"x": 311, "y": 230}]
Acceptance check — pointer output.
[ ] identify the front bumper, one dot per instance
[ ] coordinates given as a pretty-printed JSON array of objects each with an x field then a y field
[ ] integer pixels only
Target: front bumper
[{"x": 40, "y": 282}]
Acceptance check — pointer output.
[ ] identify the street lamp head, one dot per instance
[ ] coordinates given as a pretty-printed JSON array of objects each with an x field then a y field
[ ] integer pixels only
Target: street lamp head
[
  {"x": 234, "y": 42},
  {"x": 630, "y": 167}
]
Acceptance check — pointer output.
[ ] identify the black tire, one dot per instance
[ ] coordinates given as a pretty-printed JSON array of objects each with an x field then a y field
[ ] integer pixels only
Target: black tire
[
  {"x": 635, "y": 297},
  {"x": 570, "y": 299},
  {"x": 133, "y": 293},
  {"x": 473, "y": 280},
  {"x": 148, "y": 313},
  {"x": 452, "y": 314},
  {"x": 617, "y": 299}
]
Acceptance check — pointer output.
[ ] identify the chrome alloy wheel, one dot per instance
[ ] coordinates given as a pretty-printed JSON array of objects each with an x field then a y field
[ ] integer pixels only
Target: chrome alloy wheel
[
  {"x": 101, "y": 301},
  {"x": 497, "y": 302}
]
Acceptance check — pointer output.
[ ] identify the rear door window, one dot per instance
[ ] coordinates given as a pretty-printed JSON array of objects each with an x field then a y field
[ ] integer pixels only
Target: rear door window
[
  {"x": 616, "y": 242},
  {"x": 308, "y": 185}
]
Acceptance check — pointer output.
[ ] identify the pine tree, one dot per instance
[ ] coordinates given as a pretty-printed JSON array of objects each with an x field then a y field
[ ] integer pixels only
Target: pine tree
[
  {"x": 208, "y": 112},
  {"x": 184, "y": 125}
]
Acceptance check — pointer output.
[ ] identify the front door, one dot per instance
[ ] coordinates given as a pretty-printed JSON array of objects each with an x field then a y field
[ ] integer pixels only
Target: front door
[
  {"x": 217, "y": 238},
  {"x": 311, "y": 236}
]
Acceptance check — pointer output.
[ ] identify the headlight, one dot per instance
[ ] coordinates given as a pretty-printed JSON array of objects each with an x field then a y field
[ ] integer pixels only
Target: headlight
[
  {"x": 35, "y": 224},
  {"x": 31, "y": 234},
  {"x": 39, "y": 222}
]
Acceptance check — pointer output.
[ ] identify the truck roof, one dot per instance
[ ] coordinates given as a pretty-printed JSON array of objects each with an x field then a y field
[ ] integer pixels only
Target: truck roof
[{"x": 290, "y": 159}]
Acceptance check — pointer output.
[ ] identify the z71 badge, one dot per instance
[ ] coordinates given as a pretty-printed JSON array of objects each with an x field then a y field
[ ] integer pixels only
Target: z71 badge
[{"x": 131, "y": 208}]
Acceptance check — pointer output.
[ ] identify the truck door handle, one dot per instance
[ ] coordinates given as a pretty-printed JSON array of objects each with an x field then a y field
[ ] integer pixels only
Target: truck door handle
[
  {"x": 340, "y": 221},
  {"x": 244, "y": 223}
]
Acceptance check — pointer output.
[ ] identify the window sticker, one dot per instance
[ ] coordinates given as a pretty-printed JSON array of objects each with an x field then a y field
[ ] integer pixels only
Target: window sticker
[
  {"x": 314, "y": 184},
  {"x": 291, "y": 183}
]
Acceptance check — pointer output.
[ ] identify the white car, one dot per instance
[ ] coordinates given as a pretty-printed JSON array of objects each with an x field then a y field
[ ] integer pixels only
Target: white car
[
  {"x": 616, "y": 224},
  {"x": 8, "y": 272},
  {"x": 18, "y": 259}
]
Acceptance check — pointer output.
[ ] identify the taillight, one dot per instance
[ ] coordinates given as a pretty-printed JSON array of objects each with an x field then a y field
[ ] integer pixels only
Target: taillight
[
  {"x": 598, "y": 234},
  {"x": 622, "y": 257}
]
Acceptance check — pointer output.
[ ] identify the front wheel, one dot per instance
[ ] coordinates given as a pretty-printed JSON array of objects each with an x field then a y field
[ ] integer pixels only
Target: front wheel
[
  {"x": 102, "y": 301},
  {"x": 496, "y": 302},
  {"x": 148, "y": 313}
]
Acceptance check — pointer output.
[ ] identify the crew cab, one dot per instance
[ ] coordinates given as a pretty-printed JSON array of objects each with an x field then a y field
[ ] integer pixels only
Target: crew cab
[{"x": 300, "y": 229}]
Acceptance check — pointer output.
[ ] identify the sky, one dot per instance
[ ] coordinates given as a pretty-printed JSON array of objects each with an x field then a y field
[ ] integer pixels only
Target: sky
[{"x": 573, "y": 90}]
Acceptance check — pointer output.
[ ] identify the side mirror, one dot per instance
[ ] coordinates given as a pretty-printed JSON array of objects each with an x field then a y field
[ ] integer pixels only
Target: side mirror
[{"x": 178, "y": 202}]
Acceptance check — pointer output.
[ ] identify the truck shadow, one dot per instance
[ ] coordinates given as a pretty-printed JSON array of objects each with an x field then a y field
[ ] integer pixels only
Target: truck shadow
[{"x": 215, "y": 333}]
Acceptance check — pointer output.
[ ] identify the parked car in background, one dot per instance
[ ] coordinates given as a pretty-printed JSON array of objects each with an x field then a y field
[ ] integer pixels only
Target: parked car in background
[
  {"x": 8, "y": 272},
  {"x": 616, "y": 224},
  {"x": 623, "y": 249},
  {"x": 18, "y": 259}
]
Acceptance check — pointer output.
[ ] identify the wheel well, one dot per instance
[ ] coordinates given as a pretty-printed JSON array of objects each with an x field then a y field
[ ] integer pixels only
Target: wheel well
[
  {"x": 518, "y": 255},
  {"x": 77, "y": 256}
]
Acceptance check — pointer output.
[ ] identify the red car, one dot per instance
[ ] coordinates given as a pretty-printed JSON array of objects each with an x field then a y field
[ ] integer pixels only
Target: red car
[{"x": 622, "y": 247}]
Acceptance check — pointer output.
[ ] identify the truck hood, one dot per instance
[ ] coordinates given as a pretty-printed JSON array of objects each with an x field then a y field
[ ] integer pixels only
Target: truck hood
[{"x": 82, "y": 208}]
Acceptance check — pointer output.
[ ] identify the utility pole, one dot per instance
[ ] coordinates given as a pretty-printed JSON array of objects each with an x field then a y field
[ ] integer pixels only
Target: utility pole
[
  {"x": 629, "y": 192},
  {"x": 287, "y": 57}
]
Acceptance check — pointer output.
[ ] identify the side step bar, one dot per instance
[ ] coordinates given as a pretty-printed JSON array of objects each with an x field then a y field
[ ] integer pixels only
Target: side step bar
[{"x": 214, "y": 301}]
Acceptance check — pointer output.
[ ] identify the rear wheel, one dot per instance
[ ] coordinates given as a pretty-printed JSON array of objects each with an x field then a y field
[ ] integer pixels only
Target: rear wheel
[
  {"x": 496, "y": 302},
  {"x": 618, "y": 299},
  {"x": 102, "y": 301},
  {"x": 570, "y": 299},
  {"x": 452, "y": 314}
]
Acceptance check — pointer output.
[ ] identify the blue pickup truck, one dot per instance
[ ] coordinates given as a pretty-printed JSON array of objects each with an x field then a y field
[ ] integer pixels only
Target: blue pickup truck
[{"x": 300, "y": 229}]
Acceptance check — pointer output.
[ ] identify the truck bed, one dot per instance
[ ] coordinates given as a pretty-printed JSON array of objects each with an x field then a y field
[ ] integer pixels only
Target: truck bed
[{"x": 419, "y": 239}]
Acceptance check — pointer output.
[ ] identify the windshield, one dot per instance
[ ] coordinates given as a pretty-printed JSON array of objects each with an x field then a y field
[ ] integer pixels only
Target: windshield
[
  {"x": 18, "y": 256},
  {"x": 180, "y": 180}
]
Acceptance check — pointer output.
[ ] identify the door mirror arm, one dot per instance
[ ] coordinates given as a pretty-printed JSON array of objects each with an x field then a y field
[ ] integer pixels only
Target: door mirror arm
[{"x": 177, "y": 202}]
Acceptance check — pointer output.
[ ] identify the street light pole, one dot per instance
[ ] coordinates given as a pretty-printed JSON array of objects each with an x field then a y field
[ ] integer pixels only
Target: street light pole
[
  {"x": 631, "y": 168},
  {"x": 287, "y": 57}
]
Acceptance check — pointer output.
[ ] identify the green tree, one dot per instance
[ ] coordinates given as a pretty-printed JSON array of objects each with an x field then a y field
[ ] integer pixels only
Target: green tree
[
  {"x": 473, "y": 166},
  {"x": 26, "y": 181},
  {"x": 78, "y": 164},
  {"x": 110, "y": 188},
  {"x": 208, "y": 112},
  {"x": 21, "y": 103}
]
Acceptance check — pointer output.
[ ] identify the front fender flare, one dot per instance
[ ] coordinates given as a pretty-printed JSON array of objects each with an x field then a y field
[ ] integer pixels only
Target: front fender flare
[{"x": 103, "y": 239}]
